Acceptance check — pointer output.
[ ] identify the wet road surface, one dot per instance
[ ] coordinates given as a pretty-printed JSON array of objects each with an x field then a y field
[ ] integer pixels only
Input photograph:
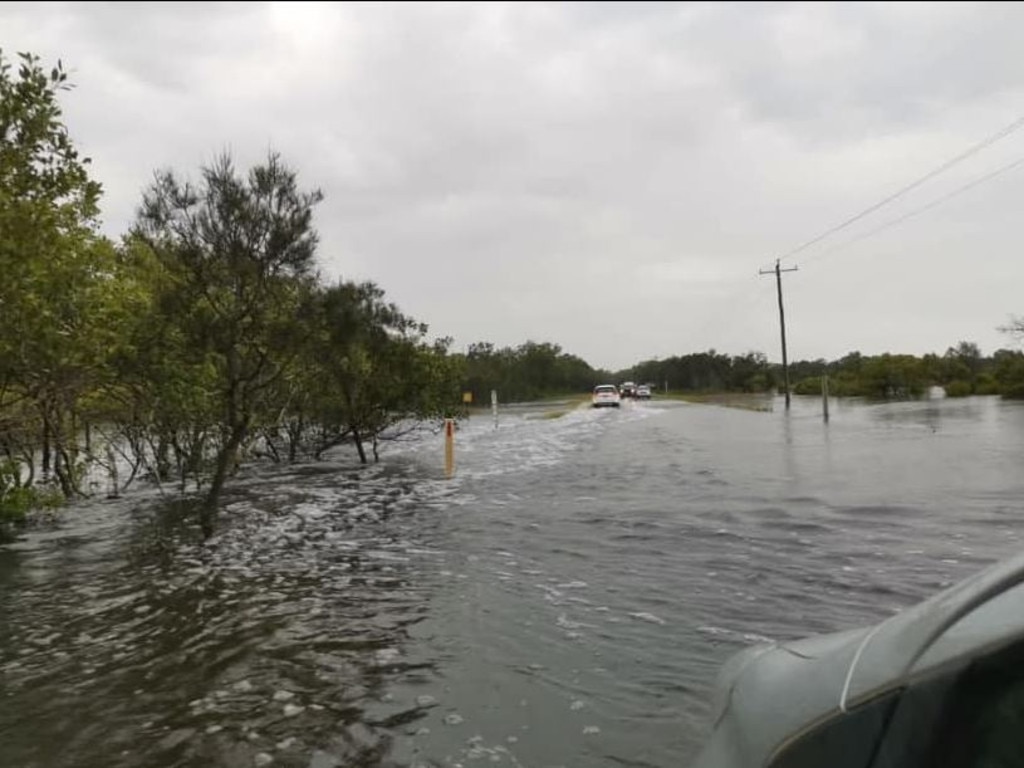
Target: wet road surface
[{"x": 566, "y": 600}]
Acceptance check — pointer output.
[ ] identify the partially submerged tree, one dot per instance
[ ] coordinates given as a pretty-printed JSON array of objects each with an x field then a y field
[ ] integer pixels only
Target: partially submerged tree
[
  {"x": 388, "y": 378},
  {"x": 239, "y": 251},
  {"x": 56, "y": 275}
]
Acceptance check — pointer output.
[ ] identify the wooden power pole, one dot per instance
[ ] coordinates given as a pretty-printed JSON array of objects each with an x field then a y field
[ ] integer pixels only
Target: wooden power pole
[{"x": 782, "y": 322}]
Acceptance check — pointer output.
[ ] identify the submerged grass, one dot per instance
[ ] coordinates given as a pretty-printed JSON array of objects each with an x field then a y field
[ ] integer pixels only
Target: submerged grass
[
  {"x": 561, "y": 403},
  {"x": 755, "y": 401},
  {"x": 547, "y": 415}
]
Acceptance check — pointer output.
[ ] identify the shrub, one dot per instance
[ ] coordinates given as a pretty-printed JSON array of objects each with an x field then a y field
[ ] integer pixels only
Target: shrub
[
  {"x": 16, "y": 500},
  {"x": 809, "y": 386},
  {"x": 1014, "y": 391},
  {"x": 987, "y": 385},
  {"x": 958, "y": 389}
]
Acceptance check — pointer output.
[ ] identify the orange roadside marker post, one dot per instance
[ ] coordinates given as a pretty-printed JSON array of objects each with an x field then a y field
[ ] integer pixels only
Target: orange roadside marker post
[{"x": 449, "y": 447}]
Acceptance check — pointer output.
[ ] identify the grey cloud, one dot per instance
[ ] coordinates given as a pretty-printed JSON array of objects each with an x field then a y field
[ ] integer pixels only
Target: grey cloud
[
  {"x": 512, "y": 171},
  {"x": 873, "y": 68}
]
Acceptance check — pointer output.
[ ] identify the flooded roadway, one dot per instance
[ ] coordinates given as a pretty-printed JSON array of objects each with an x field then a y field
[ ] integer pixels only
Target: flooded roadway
[{"x": 566, "y": 600}]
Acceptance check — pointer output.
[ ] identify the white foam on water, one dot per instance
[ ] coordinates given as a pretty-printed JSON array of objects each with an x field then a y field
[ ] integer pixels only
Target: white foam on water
[{"x": 648, "y": 617}]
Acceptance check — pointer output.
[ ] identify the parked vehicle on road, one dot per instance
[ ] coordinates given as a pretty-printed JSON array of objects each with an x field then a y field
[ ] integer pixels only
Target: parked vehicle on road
[{"x": 606, "y": 396}]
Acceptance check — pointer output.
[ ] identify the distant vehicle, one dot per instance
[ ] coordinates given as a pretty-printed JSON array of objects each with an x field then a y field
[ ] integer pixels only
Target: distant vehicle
[
  {"x": 628, "y": 389},
  {"x": 939, "y": 683},
  {"x": 606, "y": 396},
  {"x": 643, "y": 392}
]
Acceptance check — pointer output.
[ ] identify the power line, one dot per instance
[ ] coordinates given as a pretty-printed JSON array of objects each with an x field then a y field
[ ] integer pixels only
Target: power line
[
  {"x": 917, "y": 211},
  {"x": 1000, "y": 134}
]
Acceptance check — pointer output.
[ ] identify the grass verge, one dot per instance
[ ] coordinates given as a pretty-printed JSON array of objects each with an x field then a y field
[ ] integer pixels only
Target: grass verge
[{"x": 756, "y": 401}]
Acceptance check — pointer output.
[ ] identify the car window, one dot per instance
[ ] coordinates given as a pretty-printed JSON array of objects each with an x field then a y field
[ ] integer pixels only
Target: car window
[
  {"x": 984, "y": 723},
  {"x": 844, "y": 742}
]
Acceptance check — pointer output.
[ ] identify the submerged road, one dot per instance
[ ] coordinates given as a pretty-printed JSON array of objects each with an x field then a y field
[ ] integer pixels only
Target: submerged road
[{"x": 565, "y": 600}]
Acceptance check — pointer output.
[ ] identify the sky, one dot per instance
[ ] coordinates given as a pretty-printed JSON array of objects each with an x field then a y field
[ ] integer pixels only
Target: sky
[{"x": 608, "y": 177}]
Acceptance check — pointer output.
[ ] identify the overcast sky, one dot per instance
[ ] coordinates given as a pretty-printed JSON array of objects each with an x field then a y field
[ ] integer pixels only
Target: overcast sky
[{"x": 607, "y": 177}]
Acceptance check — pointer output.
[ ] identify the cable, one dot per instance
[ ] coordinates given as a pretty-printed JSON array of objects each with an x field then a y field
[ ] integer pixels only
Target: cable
[
  {"x": 1000, "y": 134},
  {"x": 732, "y": 308},
  {"x": 922, "y": 209}
]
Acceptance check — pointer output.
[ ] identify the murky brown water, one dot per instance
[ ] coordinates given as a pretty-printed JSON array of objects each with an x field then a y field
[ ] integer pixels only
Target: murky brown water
[{"x": 566, "y": 600}]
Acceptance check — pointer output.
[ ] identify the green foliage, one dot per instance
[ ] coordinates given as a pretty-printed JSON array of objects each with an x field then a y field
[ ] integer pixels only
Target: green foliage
[
  {"x": 56, "y": 273},
  {"x": 527, "y": 372},
  {"x": 962, "y": 370},
  {"x": 18, "y": 499},
  {"x": 958, "y": 389},
  {"x": 807, "y": 386},
  {"x": 892, "y": 377},
  {"x": 41, "y": 172},
  {"x": 987, "y": 384},
  {"x": 709, "y": 371},
  {"x": 1008, "y": 371},
  {"x": 15, "y": 499},
  {"x": 382, "y": 375},
  {"x": 1014, "y": 391},
  {"x": 239, "y": 254}
]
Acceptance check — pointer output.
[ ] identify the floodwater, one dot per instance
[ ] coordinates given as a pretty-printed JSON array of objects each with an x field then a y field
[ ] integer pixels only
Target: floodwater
[{"x": 565, "y": 600}]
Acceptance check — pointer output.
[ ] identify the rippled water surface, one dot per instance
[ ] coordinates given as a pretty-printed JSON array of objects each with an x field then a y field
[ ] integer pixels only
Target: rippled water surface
[{"x": 566, "y": 600}]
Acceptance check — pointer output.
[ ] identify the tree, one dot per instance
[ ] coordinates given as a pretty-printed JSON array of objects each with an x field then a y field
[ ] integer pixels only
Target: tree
[
  {"x": 55, "y": 269},
  {"x": 379, "y": 362},
  {"x": 240, "y": 255},
  {"x": 963, "y": 365},
  {"x": 891, "y": 376},
  {"x": 1014, "y": 328},
  {"x": 750, "y": 373},
  {"x": 162, "y": 401},
  {"x": 1010, "y": 365},
  {"x": 1008, "y": 371}
]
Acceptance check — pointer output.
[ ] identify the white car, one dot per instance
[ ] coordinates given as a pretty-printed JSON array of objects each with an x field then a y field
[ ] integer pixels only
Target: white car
[
  {"x": 643, "y": 392},
  {"x": 606, "y": 396}
]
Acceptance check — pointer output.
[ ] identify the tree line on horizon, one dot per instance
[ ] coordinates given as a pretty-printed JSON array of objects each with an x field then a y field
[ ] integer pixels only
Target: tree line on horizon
[
  {"x": 962, "y": 370},
  {"x": 536, "y": 370}
]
